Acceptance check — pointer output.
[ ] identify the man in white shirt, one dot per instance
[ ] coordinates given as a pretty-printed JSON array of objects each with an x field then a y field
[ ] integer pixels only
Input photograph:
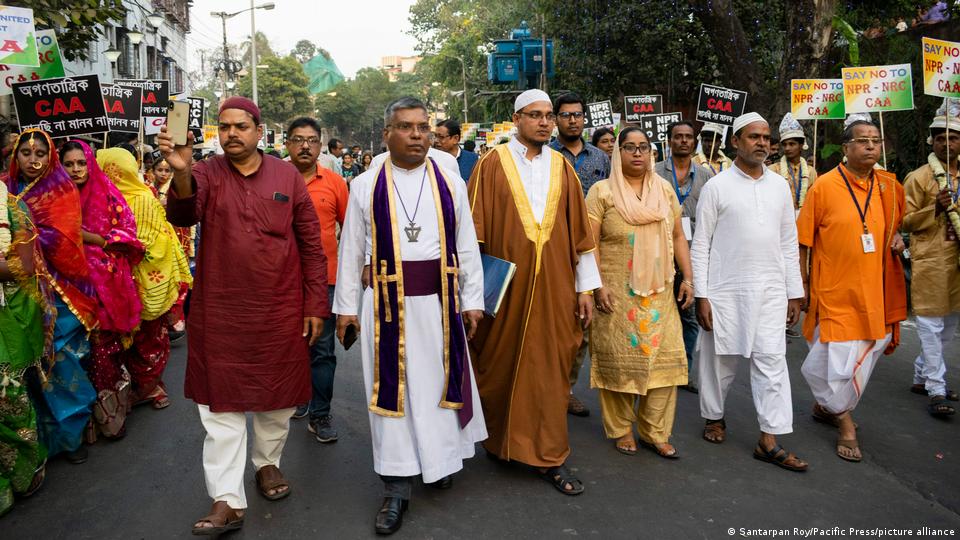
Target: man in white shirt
[
  {"x": 410, "y": 219},
  {"x": 747, "y": 282},
  {"x": 528, "y": 208}
]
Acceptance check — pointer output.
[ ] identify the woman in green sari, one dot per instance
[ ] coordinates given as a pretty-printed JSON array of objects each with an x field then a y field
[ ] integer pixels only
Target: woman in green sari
[{"x": 24, "y": 316}]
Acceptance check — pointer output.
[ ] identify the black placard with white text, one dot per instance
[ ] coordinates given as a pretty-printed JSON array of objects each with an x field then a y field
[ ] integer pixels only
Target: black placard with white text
[
  {"x": 62, "y": 107},
  {"x": 156, "y": 97},
  {"x": 599, "y": 114},
  {"x": 636, "y": 106},
  {"x": 195, "y": 118},
  {"x": 720, "y": 105},
  {"x": 122, "y": 103}
]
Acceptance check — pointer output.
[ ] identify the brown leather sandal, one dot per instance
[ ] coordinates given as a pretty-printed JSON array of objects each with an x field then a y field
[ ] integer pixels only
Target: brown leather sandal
[
  {"x": 715, "y": 431},
  {"x": 222, "y": 518},
  {"x": 849, "y": 444},
  {"x": 780, "y": 457},
  {"x": 824, "y": 416},
  {"x": 269, "y": 477}
]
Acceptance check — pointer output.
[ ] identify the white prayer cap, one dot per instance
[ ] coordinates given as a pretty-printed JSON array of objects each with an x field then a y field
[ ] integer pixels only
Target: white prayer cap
[
  {"x": 790, "y": 129},
  {"x": 857, "y": 117},
  {"x": 715, "y": 128},
  {"x": 530, "y": 96},
  {"x": 747, "y": 119},
  {"x": 951, "y": 107}
]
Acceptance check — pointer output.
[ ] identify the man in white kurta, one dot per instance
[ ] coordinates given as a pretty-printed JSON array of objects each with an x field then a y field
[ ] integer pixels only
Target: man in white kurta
[
  {"x": 747, "y": 282},
  {"x": 425, "y": 438}
]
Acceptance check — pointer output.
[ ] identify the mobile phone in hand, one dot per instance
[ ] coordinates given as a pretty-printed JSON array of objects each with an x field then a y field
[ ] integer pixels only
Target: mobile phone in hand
[{"x": 177, "y": 122}]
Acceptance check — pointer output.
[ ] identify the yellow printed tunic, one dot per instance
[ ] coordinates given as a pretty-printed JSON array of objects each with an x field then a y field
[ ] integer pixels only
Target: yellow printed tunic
[{"x": 640, "y": 345}]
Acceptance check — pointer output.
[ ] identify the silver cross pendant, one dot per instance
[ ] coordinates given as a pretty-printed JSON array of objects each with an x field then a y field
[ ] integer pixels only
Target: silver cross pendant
[{"x": 413, "y": 231}]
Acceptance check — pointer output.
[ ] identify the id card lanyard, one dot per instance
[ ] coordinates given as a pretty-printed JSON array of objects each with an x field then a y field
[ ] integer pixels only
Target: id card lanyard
[
  {"x": 866, "y": 238},
  {"x": 676, "y": 185}
]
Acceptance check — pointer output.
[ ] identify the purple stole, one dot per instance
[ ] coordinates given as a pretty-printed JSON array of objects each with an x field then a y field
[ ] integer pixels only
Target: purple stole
[{"x": 389, "y": 374}]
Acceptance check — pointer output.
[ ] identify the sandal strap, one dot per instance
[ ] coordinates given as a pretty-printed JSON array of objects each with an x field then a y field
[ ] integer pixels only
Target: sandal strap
[
  {"x": 220, "y": 515},
  {"x": 269, "y": 477}
]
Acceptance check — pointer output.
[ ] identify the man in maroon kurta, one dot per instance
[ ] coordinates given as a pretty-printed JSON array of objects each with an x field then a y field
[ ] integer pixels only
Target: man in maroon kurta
[{"x": 259, "y": 295}]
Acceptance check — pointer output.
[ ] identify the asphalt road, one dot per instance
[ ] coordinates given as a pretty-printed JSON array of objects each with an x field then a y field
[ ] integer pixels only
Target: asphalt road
[{"x": 150, "y": 485}]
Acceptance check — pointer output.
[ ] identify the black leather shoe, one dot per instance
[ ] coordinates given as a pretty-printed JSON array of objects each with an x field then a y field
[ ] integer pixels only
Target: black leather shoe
[
  {"x": 390, "y": 516},
  {"x": 444, "y": 483}
]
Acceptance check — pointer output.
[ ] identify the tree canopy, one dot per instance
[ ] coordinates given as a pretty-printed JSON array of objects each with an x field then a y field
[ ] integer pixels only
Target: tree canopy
[
  {"x": 78, "y": 22},
  {"x": 282, "y": 87}
]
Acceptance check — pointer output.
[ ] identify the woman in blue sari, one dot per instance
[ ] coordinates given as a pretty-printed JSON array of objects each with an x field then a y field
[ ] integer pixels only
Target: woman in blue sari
[{"x": 62, "y": 394}]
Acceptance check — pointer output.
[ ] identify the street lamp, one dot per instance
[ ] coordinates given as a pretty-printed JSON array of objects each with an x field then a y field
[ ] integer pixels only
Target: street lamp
[
  {"x": 112, "y": 54},
  {"x": 135, "y": 36},
  {"x": 156, "y": 18},
  {"x": 463, "y": 72},
  {"x": 253, "y": 37}
]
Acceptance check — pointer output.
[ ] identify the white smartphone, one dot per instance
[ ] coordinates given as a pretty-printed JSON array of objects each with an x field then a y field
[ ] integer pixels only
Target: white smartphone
[{"x": 178, "y": 116}]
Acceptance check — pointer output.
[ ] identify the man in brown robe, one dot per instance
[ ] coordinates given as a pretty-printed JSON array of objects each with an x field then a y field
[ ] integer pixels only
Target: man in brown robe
[
  {"x": 528, "y": 209},
  {"x": 258, "y": 301}
]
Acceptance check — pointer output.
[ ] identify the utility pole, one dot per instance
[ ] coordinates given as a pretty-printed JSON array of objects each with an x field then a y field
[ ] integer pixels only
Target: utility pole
[
  {"x": 253, "y": 52},
  {"x": 543, "y": 52},
  {"x": 226, "y": 54},
  {"x": 463, "y": 68}
]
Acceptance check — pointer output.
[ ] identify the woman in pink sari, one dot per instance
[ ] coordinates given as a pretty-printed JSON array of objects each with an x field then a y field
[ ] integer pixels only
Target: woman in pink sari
[{"x": 112, "y": 249}]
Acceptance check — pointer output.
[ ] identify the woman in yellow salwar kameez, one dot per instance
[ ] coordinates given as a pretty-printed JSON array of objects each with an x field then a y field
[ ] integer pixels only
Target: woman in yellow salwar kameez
[{"x": 636, "y": 339}]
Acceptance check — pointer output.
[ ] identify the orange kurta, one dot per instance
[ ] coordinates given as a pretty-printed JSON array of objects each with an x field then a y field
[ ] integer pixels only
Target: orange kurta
[
  {"x": 523, "y": 356},
  {"x": 847, "y": 286}
]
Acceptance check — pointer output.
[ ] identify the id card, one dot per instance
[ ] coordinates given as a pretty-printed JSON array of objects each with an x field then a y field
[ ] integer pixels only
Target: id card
[
  {"x": 867, "y": 241},
  {"x": 687, "y": 229}
]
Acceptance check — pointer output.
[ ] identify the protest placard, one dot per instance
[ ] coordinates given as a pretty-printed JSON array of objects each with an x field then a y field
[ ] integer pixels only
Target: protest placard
[
  {"x": 941, "y": 68},
  {"x": 599, "y": 114},
  {"x": 636, "y": 106},
  {"x": 62, "y": 107},
  {"x": 156, "y": 97},
  {"x": 18, "y": 37},
  {"x": 122, "y": 104},
  {"x": 720, "y": 105},
  {"x": 817, "y": 99},
  {"x": 655, "y": 126},
  {"x": 51, "y": 64},
  {"x": 877, "y": 88},
  {"x": 195, "y": 118}
]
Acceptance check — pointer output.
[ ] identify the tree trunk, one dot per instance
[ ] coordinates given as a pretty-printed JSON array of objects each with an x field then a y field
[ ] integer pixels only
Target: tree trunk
[
  {"x": 807, "y": 39},
  {"x": 809, "y": 25}
]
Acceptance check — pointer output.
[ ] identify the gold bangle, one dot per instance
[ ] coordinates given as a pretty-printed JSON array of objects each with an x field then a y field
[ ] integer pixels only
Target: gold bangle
[{"x": 685, "y": 282}]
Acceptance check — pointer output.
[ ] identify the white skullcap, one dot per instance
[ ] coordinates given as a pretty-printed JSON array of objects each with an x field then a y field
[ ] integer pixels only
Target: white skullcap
[
  {"x": 790, "y": 128},
  {"x": 857, "y": 117},
  {"x": 530, "y": 96},
  {"x": 950, "y": 107},
  {"x": 746, "y": 119},
  {"x": 715, "y": 128}
]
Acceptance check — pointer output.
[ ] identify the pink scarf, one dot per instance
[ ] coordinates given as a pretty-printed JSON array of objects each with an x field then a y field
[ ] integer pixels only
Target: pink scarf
[{"x": 106, "y": 213}]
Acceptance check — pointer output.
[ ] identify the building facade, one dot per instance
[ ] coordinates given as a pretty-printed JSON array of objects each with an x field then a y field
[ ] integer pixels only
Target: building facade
[{"x": 161, "y": 52}]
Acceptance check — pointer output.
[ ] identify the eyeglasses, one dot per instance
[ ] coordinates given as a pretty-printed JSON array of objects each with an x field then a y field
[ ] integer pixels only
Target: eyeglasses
[
  {"x": 574, "y": 115},
  {"x": 440, "y": 137},
  {"x": 298, "y": 141},
  {"x": 407, "y": 128},
  {"x": 867, "y": 141},
  {"x": 537, "y": 116},
  {"x": 631, "y": 148}
]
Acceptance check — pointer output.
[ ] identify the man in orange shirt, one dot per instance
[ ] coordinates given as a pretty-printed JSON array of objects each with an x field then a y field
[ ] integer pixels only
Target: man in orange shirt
[
  {"x": 855, "y": 287},
  {"x": 328, "y": 191}
]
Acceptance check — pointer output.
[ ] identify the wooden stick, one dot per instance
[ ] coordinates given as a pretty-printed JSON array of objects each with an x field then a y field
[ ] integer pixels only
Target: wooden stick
[
  {"x": 814, "y": 144},
  {"x": 713, "y": 147},
  {"x": 949, "y": 180},
  {"x": 883, "y": 146},
  {"x": 105, "y": 139}
]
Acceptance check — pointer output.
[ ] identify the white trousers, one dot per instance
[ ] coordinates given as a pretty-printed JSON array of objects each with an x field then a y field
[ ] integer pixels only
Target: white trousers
[
  {"x": 838, "y": 372},
  {"x": 930, "y": 368},
  {"x": 225, "y": 449},
  {"x": 769, "y": 381}
]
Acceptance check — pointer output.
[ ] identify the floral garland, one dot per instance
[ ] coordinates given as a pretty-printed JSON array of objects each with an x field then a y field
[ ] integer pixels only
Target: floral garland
[
  {"x": 804, "y": 177},
  {"x": 941, "y": 175},
  {"x": 6, "y": 235}
]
